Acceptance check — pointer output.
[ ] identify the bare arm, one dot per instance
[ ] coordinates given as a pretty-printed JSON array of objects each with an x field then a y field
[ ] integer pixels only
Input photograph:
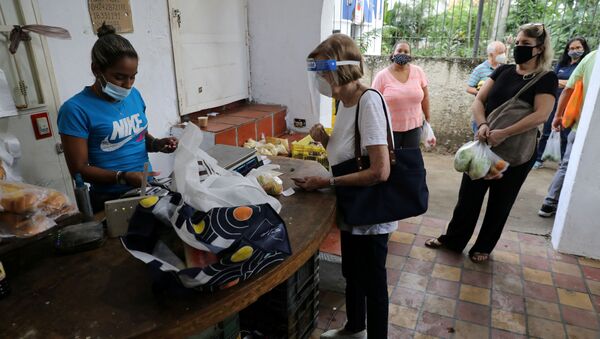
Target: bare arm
[
  {"x": 542, "y": 107},
  {"x": 379, "y": 171},
  {"x": 562, "y": 83},
  {"x": 76, "y": 155},
  {"x": 425, "y": 103},
  {"x": 472, "y": 90}
]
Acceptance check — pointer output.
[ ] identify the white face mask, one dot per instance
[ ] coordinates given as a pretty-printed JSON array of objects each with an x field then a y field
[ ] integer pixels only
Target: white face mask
[
  {"x": 324, "y": 87},
  {"x": 501, "y": 58}
]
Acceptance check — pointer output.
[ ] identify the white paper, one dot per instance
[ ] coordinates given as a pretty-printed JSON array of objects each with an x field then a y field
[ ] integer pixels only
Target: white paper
[
  {"x": 288, "y": 192},
  {"x": 7, "y": 103}
]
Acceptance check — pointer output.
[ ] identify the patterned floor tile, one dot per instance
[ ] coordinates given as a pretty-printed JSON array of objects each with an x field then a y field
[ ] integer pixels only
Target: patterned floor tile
[
  {"x": 589, "y": 262},
  {"x": 414, "y": 281},
  {"x": 402, "y": 237},
  {"x": 439, "y": 305},
  {"x": 512, "y": 322},
  {"x": 591, "y": 273},
  {"x": 403, "y": 316},
  {"x": 506, "y": 257},
  {"x": 579, "y": 317},
  {"x": 508, "y": 283},
  {"x": 538, "y": 263},
  {"x": 467, "y": 330},
  {"x": 474, "y": 313},
  {"x": 418, "y": 266},
  {"x": 508, "y": 302},
  {"x": 538, "y": 276},
  {"x": 565, "y": 268},
  {"x": 569, "y": 282},
  {"x": 504, "y": 268},
  {"x": 543, "y": 328},
  {"x": 423, "y": 253},
  {"x": 446, "y": 272},
  {"x": 399, "y": 332},
  {"x": 475, "y": 278},
  {"x": 539, "y": 291},
  {"x": 594, "y": 287},
  {"x": 474, "y": 294},
  {"x": 429, "y": 221},
  {"x": 393, "y": 276},
  {"x": 543, "y": 309},
  {"x": 429, "y": 231},
  {"x": 407, "y": 297},
  {"x": 501, "y": 334},
  {"x": 575, "y": 299},
  {"x": 395, "y": 261},
  {"x": 443, "y": 288},
  {"x": 396, "y": 248},
  {"x": 408, "y": 227},
  {"x": 575, "y": 332},
  {"x": 450, "y": 258},
  {"x": 533, "y": 250},
  {"x": 435, "y": 325}
]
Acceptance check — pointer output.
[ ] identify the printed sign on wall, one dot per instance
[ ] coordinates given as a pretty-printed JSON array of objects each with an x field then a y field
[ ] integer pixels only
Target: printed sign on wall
[{"x": 114, "y": 12}]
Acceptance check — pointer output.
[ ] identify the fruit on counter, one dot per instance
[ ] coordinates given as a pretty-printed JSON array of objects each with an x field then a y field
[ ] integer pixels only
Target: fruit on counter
[{"x": 272, "y": 185}]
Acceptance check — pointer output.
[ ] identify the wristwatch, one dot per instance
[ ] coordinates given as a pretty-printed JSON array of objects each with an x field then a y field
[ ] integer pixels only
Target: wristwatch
[
  {"x": 121, "y": 178},
  {"x": 332, "y": 181}
]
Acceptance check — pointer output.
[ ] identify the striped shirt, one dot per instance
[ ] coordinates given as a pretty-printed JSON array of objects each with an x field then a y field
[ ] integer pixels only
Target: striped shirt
[{"x": 481, "y": 72}]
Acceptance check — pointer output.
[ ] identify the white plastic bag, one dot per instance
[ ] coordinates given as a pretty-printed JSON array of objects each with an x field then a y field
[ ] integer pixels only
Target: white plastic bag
[
  {"x": 205, "y": 185},
  {"x": 427, "y": 136},
  {"x": 477, "y": 160},
  {"x": 552, "y": 150},
  {"x": 268, "y": 179}
]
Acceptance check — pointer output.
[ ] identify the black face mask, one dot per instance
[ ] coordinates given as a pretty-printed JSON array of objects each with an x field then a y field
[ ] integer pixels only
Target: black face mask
[{"x": 522, "y": 54}]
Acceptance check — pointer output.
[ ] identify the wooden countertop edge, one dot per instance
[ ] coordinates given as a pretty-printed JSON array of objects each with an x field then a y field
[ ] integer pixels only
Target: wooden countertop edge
[{"x": 199, "y": 321}]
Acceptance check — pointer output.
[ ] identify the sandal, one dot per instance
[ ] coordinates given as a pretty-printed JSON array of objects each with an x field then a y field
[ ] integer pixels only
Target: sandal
[
  {"x": 433, "y": 243},
  {"x": 479, "y": 257}
]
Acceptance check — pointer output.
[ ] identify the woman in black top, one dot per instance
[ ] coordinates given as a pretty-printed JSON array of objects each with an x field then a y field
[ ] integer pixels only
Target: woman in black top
[{"x": 533, "y": 54}]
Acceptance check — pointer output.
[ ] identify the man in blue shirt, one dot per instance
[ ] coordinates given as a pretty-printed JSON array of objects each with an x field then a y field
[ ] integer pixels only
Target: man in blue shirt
[{"x": 496, "y": 52}]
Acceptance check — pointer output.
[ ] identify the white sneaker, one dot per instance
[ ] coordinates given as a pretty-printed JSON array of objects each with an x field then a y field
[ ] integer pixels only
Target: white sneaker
[{"x": 341, "y": 333}]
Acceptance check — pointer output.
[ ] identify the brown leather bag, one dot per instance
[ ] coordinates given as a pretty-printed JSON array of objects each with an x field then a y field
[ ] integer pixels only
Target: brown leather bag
[{"x": 517, "y": 149}]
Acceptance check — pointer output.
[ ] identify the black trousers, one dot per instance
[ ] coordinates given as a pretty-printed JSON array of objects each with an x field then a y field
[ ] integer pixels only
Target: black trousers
[
  {"x": 363, "y": 267},
  {"x": 408, "y": 139},
  {"x": 503, "y": 193}
]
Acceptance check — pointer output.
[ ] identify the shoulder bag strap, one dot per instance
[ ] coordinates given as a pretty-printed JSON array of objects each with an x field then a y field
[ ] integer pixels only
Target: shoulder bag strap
[
  {"x": 529, "y": 84},
  {"x": 357, "y": 152}
]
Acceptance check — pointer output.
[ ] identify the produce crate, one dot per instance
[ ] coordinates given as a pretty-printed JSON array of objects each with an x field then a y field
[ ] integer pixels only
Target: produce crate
[
  {"x": 308, "y": 149},
  {"x": 226, "y": 329},
  {"x": 289, "y": 310}
]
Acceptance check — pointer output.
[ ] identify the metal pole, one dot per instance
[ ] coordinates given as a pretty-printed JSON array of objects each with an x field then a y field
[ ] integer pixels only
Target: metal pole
[{"x": 478, "y": 28}]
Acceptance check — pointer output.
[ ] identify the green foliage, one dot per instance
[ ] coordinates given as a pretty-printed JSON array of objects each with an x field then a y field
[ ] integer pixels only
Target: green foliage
[{"x": 435, "y": 30}]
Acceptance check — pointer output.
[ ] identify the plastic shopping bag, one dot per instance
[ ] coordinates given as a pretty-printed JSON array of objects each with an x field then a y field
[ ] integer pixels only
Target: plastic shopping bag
[
  {"x": 205, "y": 185},
  {"x": 268, "y": 178},
  {"x": 427, "y": 136},
  {"x": 552, "y": 150},
  {"x": 234, "y": 243},
  {"x": 477, "y": 160}
]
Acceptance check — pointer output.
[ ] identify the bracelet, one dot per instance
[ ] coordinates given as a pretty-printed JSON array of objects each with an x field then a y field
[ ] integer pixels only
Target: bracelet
[
  {"x": 483, "y": 123},
  {"x": 118, "y": 176}
]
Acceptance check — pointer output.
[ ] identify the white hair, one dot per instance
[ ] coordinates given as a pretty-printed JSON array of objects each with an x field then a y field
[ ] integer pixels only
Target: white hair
[{"x": 492, "y": 46}]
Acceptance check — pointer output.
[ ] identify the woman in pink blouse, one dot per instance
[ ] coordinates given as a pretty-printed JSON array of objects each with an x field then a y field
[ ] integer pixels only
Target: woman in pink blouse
[{"x": 404, "y": 87}]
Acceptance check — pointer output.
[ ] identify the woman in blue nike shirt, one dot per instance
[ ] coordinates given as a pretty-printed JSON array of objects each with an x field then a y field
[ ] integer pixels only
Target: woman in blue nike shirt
[{"x": 104, "y": 129}]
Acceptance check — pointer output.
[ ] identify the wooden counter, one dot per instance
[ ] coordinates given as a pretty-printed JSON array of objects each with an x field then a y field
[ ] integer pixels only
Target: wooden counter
[{"x": 108, "y": 293}]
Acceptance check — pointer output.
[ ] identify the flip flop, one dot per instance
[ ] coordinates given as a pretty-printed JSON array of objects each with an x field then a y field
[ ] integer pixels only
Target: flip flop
[
  {"x": 479, "y": 257},
  {"x": 433, "y": 243}
]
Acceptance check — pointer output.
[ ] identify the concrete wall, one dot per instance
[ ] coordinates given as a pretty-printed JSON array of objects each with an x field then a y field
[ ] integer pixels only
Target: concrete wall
[
  {"x": 449, "y": 101},
  {"x": 577, "y": 219},
  {"x": 152, "y": 40},
  {"x": 282, "y": 33}
]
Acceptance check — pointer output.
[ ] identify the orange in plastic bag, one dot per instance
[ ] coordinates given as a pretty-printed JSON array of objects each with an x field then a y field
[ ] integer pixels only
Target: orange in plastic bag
[{"x": 573, "y": 108}]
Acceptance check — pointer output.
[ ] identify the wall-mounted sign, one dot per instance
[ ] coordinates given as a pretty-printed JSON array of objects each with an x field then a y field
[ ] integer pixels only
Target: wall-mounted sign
[{"x": 116, "y": 13}]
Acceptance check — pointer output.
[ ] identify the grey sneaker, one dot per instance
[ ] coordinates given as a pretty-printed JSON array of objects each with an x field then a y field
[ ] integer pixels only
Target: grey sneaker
[
  {"x": 547, "y": 211},
  {"x": 341, "y": 333},
  {"x": 538, "y": 165}
]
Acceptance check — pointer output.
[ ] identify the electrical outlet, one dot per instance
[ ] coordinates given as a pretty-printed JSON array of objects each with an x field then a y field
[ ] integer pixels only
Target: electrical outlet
[{"x": 299, "y": 123}]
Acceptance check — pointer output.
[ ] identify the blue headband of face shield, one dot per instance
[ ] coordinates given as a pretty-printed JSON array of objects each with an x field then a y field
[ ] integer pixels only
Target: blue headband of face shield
[{"x": 327, "y": 65}]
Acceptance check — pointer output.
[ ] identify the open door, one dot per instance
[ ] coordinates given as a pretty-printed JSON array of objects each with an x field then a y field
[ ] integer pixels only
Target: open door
[{"x": 210, "y": 47}]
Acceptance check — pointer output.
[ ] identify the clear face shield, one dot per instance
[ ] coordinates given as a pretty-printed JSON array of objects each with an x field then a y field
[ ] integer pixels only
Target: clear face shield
[{"x": 321, "y": 74}]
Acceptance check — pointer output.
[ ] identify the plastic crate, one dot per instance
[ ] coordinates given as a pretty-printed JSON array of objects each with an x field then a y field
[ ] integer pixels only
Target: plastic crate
[
  {"x": 307, "y": 149},
  {"x": 226, "y": 329},
  {"x": 290, "y": 309}
]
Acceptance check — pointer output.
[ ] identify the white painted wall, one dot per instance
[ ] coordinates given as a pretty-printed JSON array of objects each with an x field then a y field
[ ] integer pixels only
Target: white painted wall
[
  {"x": 152, "y": 40},
  {"x": 282, "y": 33},
  {"x": 577, "y": 224}
]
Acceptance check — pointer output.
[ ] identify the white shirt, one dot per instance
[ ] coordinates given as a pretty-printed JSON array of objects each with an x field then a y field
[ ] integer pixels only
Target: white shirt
[{"x": 372, "y": 126}]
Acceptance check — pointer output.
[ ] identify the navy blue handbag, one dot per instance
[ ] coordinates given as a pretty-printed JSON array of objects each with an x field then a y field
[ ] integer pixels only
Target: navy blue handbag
[{"x": 403, "y": 195}]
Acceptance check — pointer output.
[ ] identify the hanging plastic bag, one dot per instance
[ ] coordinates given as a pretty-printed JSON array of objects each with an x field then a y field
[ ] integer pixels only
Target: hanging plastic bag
[
  {"x": 205, "y": 185},
  {"x": 552, "y": 150},
  {"x": 427, "y": 136},
  {"x": 477, "y": 160},
  {"x": 230, "y": 244}
]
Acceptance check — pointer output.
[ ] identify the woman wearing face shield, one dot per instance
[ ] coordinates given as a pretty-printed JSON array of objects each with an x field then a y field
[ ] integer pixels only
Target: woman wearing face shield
[
  {"x": 533, "y": 55},
  {"x": 336, "y": 67},
  {"x": 104, "y": 129},
  {"x": 404, "y": 87}
]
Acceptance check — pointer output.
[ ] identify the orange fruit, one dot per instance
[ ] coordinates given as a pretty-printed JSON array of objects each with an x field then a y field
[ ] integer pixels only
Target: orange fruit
[{"x": 500, "y": 165}]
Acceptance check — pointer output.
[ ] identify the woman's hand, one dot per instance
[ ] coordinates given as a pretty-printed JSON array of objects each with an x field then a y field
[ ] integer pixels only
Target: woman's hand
[
  {"x": 496, "y": 137},
  {"x": 557, "y": 123},
  {"x": 311, "y": 183},
  {"x": 134, "y": 179},
  {"x": 166, "y": 145},
  {"x": 317, "y": 132},
  {"x": 482, "y": 133}
]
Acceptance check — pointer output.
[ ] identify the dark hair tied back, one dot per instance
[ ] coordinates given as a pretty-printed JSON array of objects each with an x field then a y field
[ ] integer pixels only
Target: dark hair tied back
[{"x": 110, "y": 47}]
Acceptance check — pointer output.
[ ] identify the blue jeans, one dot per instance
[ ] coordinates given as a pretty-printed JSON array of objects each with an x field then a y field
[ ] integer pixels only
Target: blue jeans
[{"x": 559, "y": 177}]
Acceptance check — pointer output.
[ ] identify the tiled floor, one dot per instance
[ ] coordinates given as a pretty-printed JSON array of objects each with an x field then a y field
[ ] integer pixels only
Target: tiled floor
[{"x": 526, "y": 290}]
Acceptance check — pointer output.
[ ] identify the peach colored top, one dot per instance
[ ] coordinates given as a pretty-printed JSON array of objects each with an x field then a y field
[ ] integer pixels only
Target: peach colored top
[{"x": 403, "y": 99}]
